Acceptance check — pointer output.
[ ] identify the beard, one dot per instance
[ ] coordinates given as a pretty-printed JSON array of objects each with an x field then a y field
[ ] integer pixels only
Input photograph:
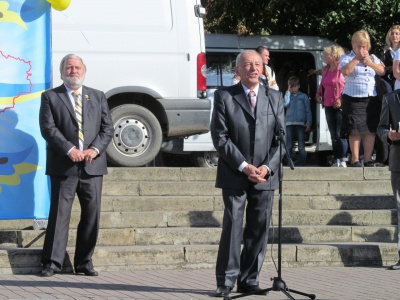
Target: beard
[{"x": 73, "y": 82}]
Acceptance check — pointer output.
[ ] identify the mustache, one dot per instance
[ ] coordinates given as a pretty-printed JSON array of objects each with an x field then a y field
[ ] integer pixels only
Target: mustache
[{"x": 73, "y": 80}]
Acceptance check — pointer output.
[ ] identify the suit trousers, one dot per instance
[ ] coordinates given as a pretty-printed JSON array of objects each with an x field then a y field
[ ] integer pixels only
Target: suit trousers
[
  {"x": 63, "y": 188},
  {"x": 395, "y": 180},
  {"x": 243, "y": 266}
]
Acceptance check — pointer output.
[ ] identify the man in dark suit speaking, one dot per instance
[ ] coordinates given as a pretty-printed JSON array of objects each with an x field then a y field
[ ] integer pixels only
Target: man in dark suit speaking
[
  {"x": 389, "y": 132},
  {"x": 243, "y": 130},
  {"x": 76, "y": 123}
]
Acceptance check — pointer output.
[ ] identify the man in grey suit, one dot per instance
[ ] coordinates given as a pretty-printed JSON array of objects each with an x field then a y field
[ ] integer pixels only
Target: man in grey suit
[
  {"x": 388, "y": 132},
  {"x": 243, "y": 130},
  {"x": 76, "y": 123}
]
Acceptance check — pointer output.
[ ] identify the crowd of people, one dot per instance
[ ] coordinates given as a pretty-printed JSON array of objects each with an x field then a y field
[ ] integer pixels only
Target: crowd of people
[{"x": 351, "y": 93}]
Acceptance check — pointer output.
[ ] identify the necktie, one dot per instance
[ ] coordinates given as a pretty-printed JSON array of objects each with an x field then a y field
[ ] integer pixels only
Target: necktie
[
  {"x": 78, "y": 113},
  {"x": 252, "y": 99}
]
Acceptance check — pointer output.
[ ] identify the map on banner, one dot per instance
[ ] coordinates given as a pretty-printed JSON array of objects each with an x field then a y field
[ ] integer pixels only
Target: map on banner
[
  {"x": 10, "y": 65},
  {"x": 25, "y": 72}
]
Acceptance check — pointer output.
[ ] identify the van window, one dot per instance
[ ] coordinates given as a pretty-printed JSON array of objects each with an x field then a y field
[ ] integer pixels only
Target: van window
[{"x": 220, "y": 69}]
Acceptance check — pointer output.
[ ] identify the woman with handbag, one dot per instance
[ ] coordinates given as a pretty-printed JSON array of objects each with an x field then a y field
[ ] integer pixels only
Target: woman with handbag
[
  {"x": 329, "y": 94},
  {"x": 361, "y": 105}
]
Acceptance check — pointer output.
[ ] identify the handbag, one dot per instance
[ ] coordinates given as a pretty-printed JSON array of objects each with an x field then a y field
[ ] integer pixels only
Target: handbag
[{"x": 380, "y": 84}]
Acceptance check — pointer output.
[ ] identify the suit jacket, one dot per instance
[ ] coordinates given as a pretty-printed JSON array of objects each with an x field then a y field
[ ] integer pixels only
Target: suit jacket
[
  {"x": 390, "y": 118},
  {"x": 59, "y": 127},
  {"x": 240, "y": 136}
]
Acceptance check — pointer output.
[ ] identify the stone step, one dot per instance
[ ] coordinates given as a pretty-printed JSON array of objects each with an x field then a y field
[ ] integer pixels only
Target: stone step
[
  {"x": 211, "y": 203},
  {"x": 171, "y": 218},
  {"x": 162, "y": 219},
  {"x": 214, "y": 218},
  {"x": 207, "y": 188},
  {"x": 207, "y": 236},
  {"x": 200, "y": 181},
  {"x": 120, "y": 258},
  {"x": 214, "y": 203},
  {"x": 206, "y": 174}
]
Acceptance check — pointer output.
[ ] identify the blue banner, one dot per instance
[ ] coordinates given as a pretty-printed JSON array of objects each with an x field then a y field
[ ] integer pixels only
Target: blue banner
[{"x": 25, "y": 72}]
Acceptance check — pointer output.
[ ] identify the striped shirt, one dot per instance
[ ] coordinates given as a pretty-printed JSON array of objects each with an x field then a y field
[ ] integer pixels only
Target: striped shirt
[{"x": 361, "y": 82}]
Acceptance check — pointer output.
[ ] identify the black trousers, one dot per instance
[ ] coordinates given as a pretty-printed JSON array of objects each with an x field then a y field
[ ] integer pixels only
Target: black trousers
[
  {"x": 63, "y": 189},
  {"x": 243, "y": 266}
]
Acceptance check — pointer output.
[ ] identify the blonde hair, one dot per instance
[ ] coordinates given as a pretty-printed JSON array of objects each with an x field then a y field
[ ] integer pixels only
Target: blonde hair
[
  {"x": 361, "y": 37},
  {"x": 334, "y": 51},
  {"x": 388, "y": 41}
]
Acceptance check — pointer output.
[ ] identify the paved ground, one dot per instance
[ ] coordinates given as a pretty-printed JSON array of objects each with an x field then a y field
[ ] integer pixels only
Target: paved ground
[{"x": 326, "y": 283}]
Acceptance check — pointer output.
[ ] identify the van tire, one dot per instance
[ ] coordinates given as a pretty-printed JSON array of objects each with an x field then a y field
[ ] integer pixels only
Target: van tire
[
  {"x": 206, "y": 159},
  {"x": 137, "y": 136}
]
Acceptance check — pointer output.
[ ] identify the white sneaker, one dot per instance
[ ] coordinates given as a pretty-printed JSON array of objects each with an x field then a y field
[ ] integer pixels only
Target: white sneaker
[
  {"x": 343, "y": 164},
  {"x": 336, "y": 163}
]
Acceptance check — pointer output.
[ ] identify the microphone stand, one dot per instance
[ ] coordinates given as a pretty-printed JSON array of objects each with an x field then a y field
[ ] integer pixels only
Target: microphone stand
[{"x": 278, "y": 284}]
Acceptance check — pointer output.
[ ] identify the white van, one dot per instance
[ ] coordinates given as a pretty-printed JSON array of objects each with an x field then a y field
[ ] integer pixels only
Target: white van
[
  {"x": 289, "y": 55},
  {"x": 148, "y": 57}
]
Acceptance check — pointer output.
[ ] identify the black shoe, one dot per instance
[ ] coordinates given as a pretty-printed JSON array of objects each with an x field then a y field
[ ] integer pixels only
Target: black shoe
[
  {"x": 370, "y": 163},
  {"x": 47, "y": 272},
  {"x": 222, "y": 291},
  {"x": 356, "y": 164},
  {"x": 87, "y": 272},
  {"x": 253, "y": 289},
  {"x": 396, "y": 266}
]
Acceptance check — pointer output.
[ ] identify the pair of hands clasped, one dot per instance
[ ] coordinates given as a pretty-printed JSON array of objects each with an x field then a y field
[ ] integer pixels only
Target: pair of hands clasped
[
  {"x": 87, "y": 155},
  {"x": 255, "y": 174}
]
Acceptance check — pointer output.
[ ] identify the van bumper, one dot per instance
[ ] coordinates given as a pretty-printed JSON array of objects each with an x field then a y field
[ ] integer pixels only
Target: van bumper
[{"x": 187, "y": 116}]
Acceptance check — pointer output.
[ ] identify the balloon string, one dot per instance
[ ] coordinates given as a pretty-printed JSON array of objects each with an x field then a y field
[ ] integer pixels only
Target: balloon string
[{"x": 72, "y": 22}]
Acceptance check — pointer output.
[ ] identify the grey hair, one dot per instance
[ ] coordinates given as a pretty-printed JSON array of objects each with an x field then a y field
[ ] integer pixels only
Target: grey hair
[
  {"x": 239, "y": 57},
  {"x": 65, "y": 58}
]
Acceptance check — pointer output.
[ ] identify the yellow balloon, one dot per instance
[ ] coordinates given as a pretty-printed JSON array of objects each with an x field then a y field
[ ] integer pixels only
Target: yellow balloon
[{"x": 59, "y": 4}]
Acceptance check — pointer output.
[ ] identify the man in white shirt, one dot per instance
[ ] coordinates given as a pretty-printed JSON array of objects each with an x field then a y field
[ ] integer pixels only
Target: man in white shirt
[{"x": 268, "y": 72}]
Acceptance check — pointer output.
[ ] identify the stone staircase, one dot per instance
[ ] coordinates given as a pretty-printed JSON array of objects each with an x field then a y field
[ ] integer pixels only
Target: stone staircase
[{"x": 165, "y": 218}]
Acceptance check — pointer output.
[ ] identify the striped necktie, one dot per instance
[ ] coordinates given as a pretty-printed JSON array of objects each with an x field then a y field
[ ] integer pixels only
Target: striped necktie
[
  {"x": 78, "y": 113},
  {"x": 252, "y": 99}
]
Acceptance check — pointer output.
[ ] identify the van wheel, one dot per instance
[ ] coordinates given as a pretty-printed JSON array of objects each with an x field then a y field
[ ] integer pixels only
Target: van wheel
[
  {"x": 205, "y": 159},
  {"x": 137, "y": 136}
]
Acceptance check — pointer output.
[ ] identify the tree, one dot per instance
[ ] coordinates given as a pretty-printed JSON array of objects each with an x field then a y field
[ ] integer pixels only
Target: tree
[{"x": 334, "y": 20}]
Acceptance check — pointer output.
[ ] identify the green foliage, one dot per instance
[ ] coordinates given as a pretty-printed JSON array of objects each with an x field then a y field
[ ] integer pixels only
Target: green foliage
[{"x": 334, "y": 20}]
